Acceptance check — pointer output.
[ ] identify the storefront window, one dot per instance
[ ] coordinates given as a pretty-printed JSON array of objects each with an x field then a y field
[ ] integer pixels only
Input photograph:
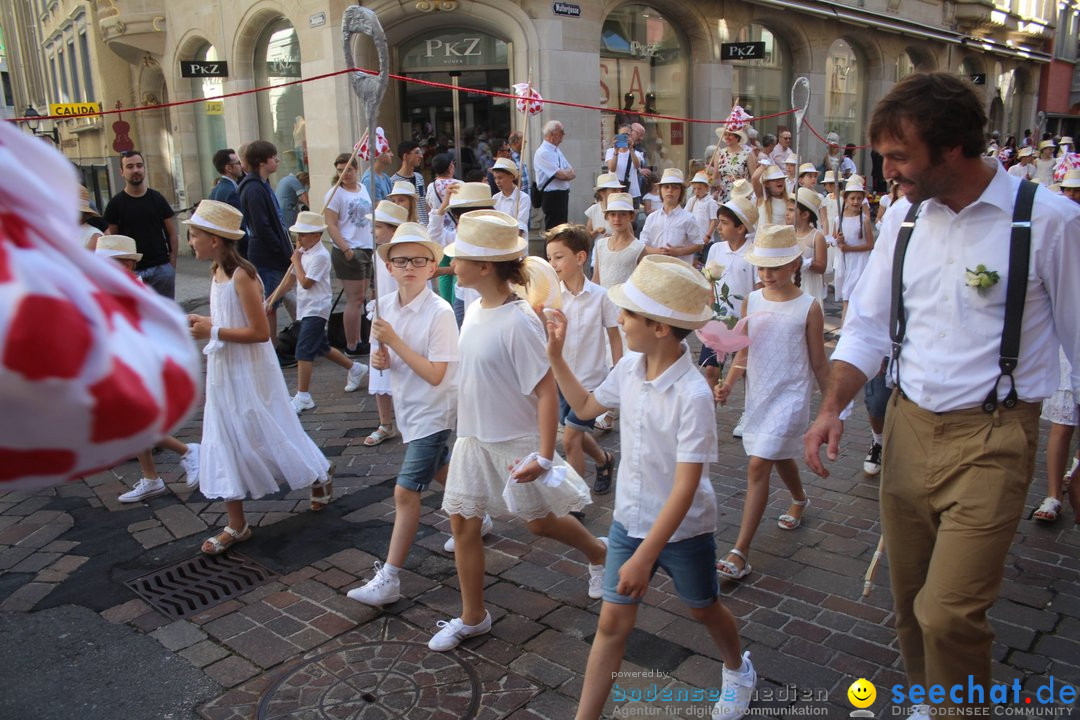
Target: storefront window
[
  {"x": 843, "y": 93},
  {"x": 643, "y": 68},
  {"x": 209, "y": 119},
  {"x": 762, "y": 87},
  {"x": 281, "y": 109}
]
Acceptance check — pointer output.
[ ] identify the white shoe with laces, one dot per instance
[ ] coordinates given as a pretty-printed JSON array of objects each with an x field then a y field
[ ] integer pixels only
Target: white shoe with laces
[
  {"x": 485, "y": 529},
  {"x": 596, "y": 577},
  {"x": 300, "y": 404},
  {"x": 189, "y": 461},
  {"x": 380, "y": 590},
  {"x": 452, "y": 632},
  {"x": 737, "y": 431},
  {"x": 144, "y": 489},
  {"x": 357, "y": 373},
  {"x": 736, "y": 691}
]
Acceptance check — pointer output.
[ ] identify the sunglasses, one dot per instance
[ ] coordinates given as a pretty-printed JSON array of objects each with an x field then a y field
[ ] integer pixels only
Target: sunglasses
[{"x": 417, "y": 262}]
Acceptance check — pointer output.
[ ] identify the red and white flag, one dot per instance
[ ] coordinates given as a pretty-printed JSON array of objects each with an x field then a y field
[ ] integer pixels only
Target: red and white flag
[
  {"x": 528, "y": 99},
  {"x": 382, "y": 145}
]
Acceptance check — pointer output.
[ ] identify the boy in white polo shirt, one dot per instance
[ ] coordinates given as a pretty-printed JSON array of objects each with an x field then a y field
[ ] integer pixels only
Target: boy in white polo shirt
[
  {"x": 590, "y": 316},
  {"x": 665, "y": 509},
  {"x": 310, "y": 273},
  {"x": 418, "y": 338}
]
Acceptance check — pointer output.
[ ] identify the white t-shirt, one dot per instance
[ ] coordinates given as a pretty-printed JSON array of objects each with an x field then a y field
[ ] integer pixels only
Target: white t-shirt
[
  {"x": 426, "y": 325},
  {"x": 620, "y": 169},
  {"x": 352, "y": 209},
  {"x": 314, "y": 301},
  {"x": 599, "y": 222},
  {"x": 667, "y": 420},
  {"x": 589, "y": 314},
  {"x": 673, "y": 229},
  {"x": 503, "y": 354},
  {"x": 738, "y": 275},
  {"x": 704, "y": 212}
]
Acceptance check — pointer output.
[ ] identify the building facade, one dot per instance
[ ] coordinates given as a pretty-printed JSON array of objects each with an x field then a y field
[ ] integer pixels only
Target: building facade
[{"x": 626, "y": 56}]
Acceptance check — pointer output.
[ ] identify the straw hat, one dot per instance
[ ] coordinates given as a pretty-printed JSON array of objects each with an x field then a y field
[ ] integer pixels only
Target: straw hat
[
  {"x": 855, "y": 183},
  {"x": 742, "y": 188},
  {"x": 829, "y": 177},
  {"x": 217, "y": 218},
  {"x": 773, "y": 173},
  {"x": 543, "y": 286},
  {"x": 672, "y": 176},
  {"x": 608, "y": 180},
  {"x": 84, "y": 202},
  {"x": 308, "y": 222},
  {"x": 389, "y": 213},
  {"x": 508, "y": 165},
  {"x": 774, "y": 245},
  {"x": 1072, "y": 180},
  {"x": 472, "y": 195},
  {"x": 724, "y": 130},
  {"x": 809, "y": 200},
  {"x": 1066, "y": 140},
  {"x": 487, "y": 235},
  {"x": 1025, "y": 152},
  {"x": 403, "y": 187},
  {"x": 791, "y": 159},
  {"x": 700, "y": 177},
  {"x": 410, "y": 232},
  {"x": 1046, "y": 144},
  {"x": 667, "y": 290},
  {"x": 619, "y": 202},
  {"x": 832, "y": 139},
  {"x": 807, "y": 168},
  {"x": 120, "y": 247},
  {"x": 745, "y": 210}
]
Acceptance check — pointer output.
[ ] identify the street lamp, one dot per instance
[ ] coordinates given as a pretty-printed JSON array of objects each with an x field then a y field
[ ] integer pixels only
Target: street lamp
[{"x": 53, "y": 133}]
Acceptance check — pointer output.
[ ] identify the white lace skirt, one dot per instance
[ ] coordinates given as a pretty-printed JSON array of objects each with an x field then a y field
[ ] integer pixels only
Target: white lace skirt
[
  {"x": 478, "y": 475},
  {"x": 1060, "y": 408}
]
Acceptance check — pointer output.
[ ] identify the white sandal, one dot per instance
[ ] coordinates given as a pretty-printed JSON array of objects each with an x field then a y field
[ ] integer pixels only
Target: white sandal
[
  {"x": 237, "y": 536},
  {"x": 380, "y": 435},
  {"x": 1050, "y": 509},
  {"x": 726, "y": 568},
  {"x": 788, "y": 521}
]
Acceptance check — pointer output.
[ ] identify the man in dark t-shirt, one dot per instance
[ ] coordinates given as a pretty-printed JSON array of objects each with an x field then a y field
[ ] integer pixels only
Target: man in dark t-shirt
[{"x": 144, "y": 214}]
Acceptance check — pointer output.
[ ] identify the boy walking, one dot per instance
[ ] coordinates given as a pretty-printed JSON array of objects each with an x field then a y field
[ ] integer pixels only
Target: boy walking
[
  {"x": 665, "y": 509},
  {"x": 310, "y": 273},
  {"x": 590, "y": 316}
]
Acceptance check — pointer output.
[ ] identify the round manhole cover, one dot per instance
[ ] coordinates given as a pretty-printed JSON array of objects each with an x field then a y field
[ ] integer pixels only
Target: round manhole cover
[{"x": 375, "y": 681}]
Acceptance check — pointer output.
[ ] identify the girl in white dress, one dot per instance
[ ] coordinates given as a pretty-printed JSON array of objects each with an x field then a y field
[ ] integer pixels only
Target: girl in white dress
[
  {"x": 388, "y": 216},
  {"x": 252, "y": 439},
  {"x": 854, "y": 239},
  {"x": 786, "y": 354},
  {"x": 508, "y": 410},
  {"x": 803, "y": 209},
  {"x": 618, "y": 254}
]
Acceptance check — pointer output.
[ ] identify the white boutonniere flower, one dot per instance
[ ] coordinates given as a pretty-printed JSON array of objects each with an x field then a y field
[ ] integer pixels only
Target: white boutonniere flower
[{"x": 980, "y": 278}]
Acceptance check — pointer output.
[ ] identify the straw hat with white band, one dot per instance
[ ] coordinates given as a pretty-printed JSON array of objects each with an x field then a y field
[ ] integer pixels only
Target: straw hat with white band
[
  {"x": 508, "y": 165},
  {"x": 774, "y": 245},
  {"x": 809, "y": 200},
  {"x": 1025, "y": 152},
  {"x": 1046, "y": 144},
  {"x": 619, "y": 202},
  {"x": 855, "y": 183},
  {"x": 84, "y": 202},
  {"x": 742, "y": 188},
  {"x": 308, "y": 222},
  {"x": 700, "y": 177},
  {"x": 389, "y": 213},
  {"x": 217, "y": 218},
  {"x": 828, "y": 177},
  {"x": 1066, "y": 140},
  {"x": 472, "y": 195},
  {"x": 120, "y": 247},
  {"x": 745, "y": 210},
  {"x": 487, "y": 235},
  {"x": 807, "y": 168},
  {"x": 791, "y": 159},
  {"x": 1072, "y": 179},
  {"x": 667, "y": 290},
  {"x": 410, "y": 232},
  {"x": 672, "y": 176},
  {"x": 608, "y": 181},
  {"x": 403, "y": 187},
  {"x": 773, "y": 173}
]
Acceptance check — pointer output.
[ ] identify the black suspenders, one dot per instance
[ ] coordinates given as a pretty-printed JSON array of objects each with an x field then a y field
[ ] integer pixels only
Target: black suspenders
[{"x": 1015, "y": 293}]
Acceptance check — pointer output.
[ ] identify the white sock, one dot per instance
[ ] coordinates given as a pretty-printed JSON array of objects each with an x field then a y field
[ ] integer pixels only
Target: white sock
[
  {"x": 877, "y": 437},
  {"x": 303, "y": 395},
  {"x": 390, "y": 570}
]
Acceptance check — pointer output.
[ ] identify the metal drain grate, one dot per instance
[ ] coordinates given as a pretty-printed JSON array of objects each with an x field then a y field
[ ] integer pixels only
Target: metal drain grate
[{"x": 194, "y": 585}]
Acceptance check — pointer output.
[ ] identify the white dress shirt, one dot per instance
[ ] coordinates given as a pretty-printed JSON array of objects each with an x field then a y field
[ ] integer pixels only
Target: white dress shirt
[
  {"x": 589, "y": 315},
  {"x": 668, "y": 420},
  {"x": 739, "y": 275},
  {"x": 507, "y": 205},
  {"x": 671, "y": 229},
  {"x": 949, "y": 358},
  {"x": 704, "y": 212},
  {"x": 548, "y": 160}
]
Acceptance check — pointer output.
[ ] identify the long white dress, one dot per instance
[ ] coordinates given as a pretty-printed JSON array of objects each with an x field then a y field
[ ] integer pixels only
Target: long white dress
[
  {"x": 252, "y": 440},
  {"x": 850, "y": 265},
  {"x": 779, "y": 378},
  {"x": 813, "y": 283}
]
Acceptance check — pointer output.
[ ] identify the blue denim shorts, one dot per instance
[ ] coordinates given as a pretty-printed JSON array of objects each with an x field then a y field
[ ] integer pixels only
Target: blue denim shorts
[
  {"x": 567, "y": 417},
  {"x": 691, "y": 563},
  {"x": 271, "y": 278},
  {"x": 312, "y": 342},
  {"x": 423, "y": 457},
  {"x": 876, "y": 396}
]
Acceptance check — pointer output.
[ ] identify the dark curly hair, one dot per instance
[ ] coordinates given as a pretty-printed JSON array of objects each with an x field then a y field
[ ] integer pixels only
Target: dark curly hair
[{"x": 943, "y": 109}]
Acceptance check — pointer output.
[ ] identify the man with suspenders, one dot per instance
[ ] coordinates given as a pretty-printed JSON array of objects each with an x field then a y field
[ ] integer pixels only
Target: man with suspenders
[{"x": 971, "y": 288}]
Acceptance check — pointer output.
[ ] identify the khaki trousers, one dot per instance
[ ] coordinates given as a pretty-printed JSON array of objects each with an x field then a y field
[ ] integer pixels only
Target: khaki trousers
[{"x": 953, "y": 487}]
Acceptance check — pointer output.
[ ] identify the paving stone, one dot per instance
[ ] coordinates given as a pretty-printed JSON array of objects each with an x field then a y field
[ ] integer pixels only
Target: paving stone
[
  {"x": 143, "y": 525},
  {"x": 180, "y": 520},
  {"x": 179, "y": 635},
  {"x": 262, "y": 647},
  {"x": 153, "y": 537},
  {"x": 36, "y": 561},
  {"x": 308, "y": 638},
  {"x": 284, "y": 626},
  {"x": 150, "y": 621},
  {"x": 45, "y": 535},
  {"x": 863, "y": 649},
  {"x": 126, "y": 612},
  {"x": 13, "y": 556},
  {"x": 332, "y": 624},
  {"x": 216, "y": 612},
  {"x": 523, "y": 602},
  {"x": 335, "y": 578},
  {"x": 560, "y": 649},
  {"x": 231, "y": 671},
  {"x": 540, "y": 669},
  {"x": 304, "y": 610},
  {"x": 204, "y": 653},
  {"x": 516, "y": 629},
  {"x": 26, "y": 597},
  {"x": 228, "y": 626},
  {"x": 1010, "y": 612}
]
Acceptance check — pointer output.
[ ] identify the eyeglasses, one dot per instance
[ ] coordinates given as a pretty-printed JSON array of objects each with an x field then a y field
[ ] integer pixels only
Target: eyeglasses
[{"x": 417, "y": 262}]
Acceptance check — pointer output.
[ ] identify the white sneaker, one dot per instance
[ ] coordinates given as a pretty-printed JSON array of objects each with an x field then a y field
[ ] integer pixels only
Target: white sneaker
[
  {"x": 145, "y": 488},
  {"x": 485, "y": 529},
  {"x": 189, "y": 461},
  {"x": 301, "y": 404},
  {"x": 596, "y": 577},
  {"x": 919, "y": 712},
  {"x": 380, "y": 590},
  {"x": 736, "y": 690},
  {"x": 736, "y": 432},
  {"x": 872, "y": 464},
  {"x": 454, "y": 631},
  {"x": 357, "y": 373}
]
